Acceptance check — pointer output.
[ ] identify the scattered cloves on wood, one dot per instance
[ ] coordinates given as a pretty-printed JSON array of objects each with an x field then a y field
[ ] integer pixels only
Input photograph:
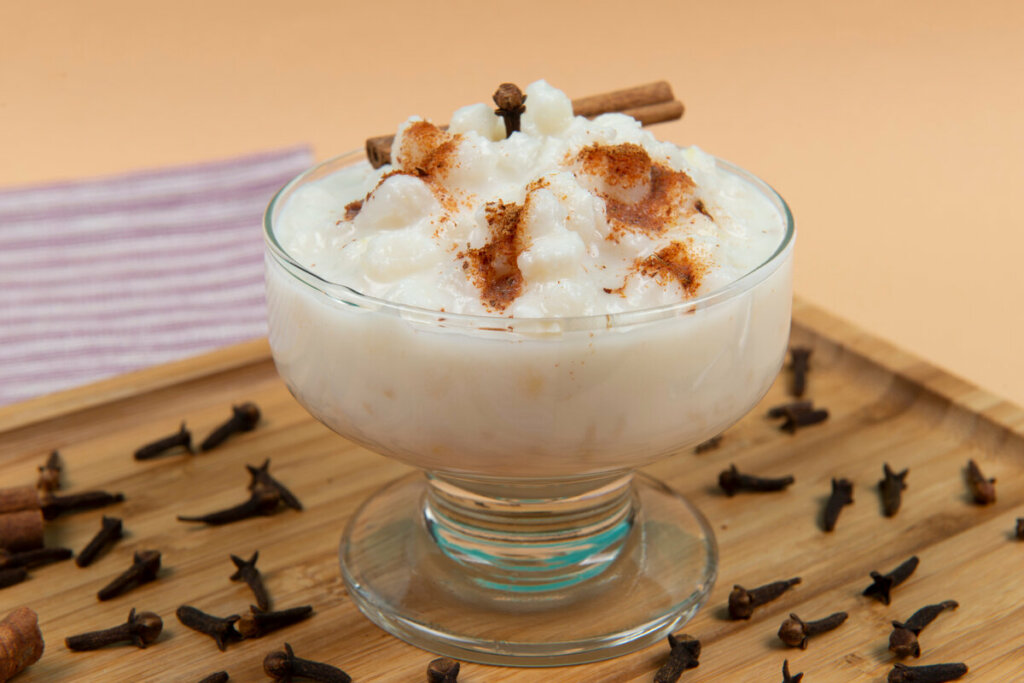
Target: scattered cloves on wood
[
  {"x": 244, "y": 418},
  {"x": 21, "y": 642},
  {"x": 800, "y": 357},
  {"x": 933, "y": 673},
  {"x": 282, "y": 665},
  {"x": 49, "y": 473},
  {"x": 884, "y": 583},
  {"x": 982, "y": 490},
  {"x": 795, "y": 632},
  {"x": 145, "y": 567},
  {"x": 257, "y": 623},
  {"x": 443, "y": 670},
  {"x": 261, "y": 478},
  {"x": 248, "y": 573},
  {"x": 218, "y": 677},
  {"x": 842, "y": 495},
  {"x": 731, "y": 481},
  {"x": 183, "y": 438},
  {"x": 262, "y": 502},
  {"x": 33, "y": 558},
  {"x": 903, "y": 639},
  {"x": 684, "y": 654},
  {"x": 510, "y": 100},
  {"x": 742, "y": 602},
  {"x": 141, "y": 629},
  {"x": 54, "y": 505},
  {"x": 221, "y": 629},
  {"x": 788, "y": 677},
  {"x": 110, "y": 532},
  {"x": 709, "y": 445},
  {"x": 10, "y": 577},
  {"x": 891, "y": 489}
]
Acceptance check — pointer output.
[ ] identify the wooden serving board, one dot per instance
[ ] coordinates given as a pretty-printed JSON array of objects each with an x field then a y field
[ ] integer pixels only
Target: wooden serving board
[{"x": 886, "y": 406}]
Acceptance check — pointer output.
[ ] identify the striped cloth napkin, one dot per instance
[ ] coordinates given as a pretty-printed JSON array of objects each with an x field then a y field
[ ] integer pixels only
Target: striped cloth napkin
[{"x": 99, "y": 277}]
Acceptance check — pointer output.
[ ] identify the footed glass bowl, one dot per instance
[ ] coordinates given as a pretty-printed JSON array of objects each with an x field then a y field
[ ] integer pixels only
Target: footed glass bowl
[{"x": 525, "y": 537}]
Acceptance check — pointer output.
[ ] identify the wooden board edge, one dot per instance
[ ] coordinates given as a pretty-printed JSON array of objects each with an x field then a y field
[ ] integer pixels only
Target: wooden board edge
[
  {"x": 130, "y": 384},
  {"x": 958, "y": 391}
]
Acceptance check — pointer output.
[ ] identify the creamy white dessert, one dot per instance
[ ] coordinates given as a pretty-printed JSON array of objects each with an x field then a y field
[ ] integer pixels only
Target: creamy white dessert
[{"x": 578, "y": 297}]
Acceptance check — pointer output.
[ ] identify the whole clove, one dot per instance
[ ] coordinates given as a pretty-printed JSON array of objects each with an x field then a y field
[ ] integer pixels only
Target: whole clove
[
  {"x": 182, "y": 438},
  {"x": 842, "y": 495},
  {"x": 244, "y": 418},
  {"x": 787, "y": 677},
  {"x": 33, "y": 558},
  {"x": 795, "y": 632},
  {"x": 145, "y": 567},
  {"x": 731, "y": 481},
  {"x": 791, "y": 408},
  {"x": 709, "y": 445},
  {"x": 257, "y": 623},
  {"x": 684, "y": 654},
  {"x": 982, "y": 490},
  {"x": 110, "y": 532},
  {"x": 54, "y": 505},
  {"x": 891, "y": 489},
  {"x": 49, "y": 473},
  {"x": 443, "y": 670},
  {"x": 742, "y": 602},
  {"x": 510, "y": 100},
  {"x": 262, "y": 502},
  {"x": 261, "y": 478},
  {"x": 248, "y": 573},
  {"x": 884, "y": 583},
  {"x": 282, "y": 665},
  {"x": 141, "y": 629},
  {"x": 903, "y": 640},
  {"x": 800, "y": 357},
  {"x": 218, "y": 677},
  {"x": 21, "y": 642},
  {"x": 807, "y": 418},
  {"x": 12, "y": 576},
  {"x": 933, "y": 673},
  {"x": 221, "y": 629}
]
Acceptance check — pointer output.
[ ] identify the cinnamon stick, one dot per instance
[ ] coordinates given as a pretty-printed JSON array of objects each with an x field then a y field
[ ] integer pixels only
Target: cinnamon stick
[
  {"x": 22, "y": 530},
  {"x": 21, "y": 642},
  {"x": 18, "y": 498},
  {"x": 649, "y": 104},
  {"x": 621, "y": 100}
]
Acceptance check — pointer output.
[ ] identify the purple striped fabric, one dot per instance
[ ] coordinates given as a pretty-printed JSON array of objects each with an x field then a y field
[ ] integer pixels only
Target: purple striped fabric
[{"x": 100, "y": 277}]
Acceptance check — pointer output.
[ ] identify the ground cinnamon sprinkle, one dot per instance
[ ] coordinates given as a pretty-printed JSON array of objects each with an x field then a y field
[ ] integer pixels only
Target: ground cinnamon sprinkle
[
  {"x": 352, "y": 209},
  {"x": 494, "y": 266},
  {"x": 673, "y": 263},
  {"x": 627, "y": 166},
  {"x": 428, "y": 149}
]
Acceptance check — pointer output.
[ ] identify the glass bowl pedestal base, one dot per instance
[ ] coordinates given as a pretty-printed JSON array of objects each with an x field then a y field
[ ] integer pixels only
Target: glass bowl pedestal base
[{"x": 528, "y": 573}]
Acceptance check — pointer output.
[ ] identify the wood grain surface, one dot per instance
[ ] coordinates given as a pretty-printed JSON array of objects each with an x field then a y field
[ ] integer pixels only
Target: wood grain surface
[{"x": 886, "y": 407}]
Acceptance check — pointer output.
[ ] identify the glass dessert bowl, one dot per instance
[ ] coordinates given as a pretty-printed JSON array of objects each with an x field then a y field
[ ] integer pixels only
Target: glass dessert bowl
[{"x": 525, "y": 536}]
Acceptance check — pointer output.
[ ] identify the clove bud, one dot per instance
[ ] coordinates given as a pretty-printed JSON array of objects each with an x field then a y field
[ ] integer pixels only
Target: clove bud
[
  {"x": 795, "y": 632},
  {"x": 934, "y": 673},
  {"x": 884, "y": 583},
  {"x": 145, "y": 567},
  {"x": 684, "y": 654},
  {"x": 742, "y": 602}
]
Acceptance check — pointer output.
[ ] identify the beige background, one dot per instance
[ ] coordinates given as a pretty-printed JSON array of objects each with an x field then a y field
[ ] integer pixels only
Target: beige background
[{"x": 893, "y": 129}]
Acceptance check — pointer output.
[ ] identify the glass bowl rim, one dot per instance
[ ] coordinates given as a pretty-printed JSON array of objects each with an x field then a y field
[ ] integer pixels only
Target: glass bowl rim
[{"x": 348, "y": 295}]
